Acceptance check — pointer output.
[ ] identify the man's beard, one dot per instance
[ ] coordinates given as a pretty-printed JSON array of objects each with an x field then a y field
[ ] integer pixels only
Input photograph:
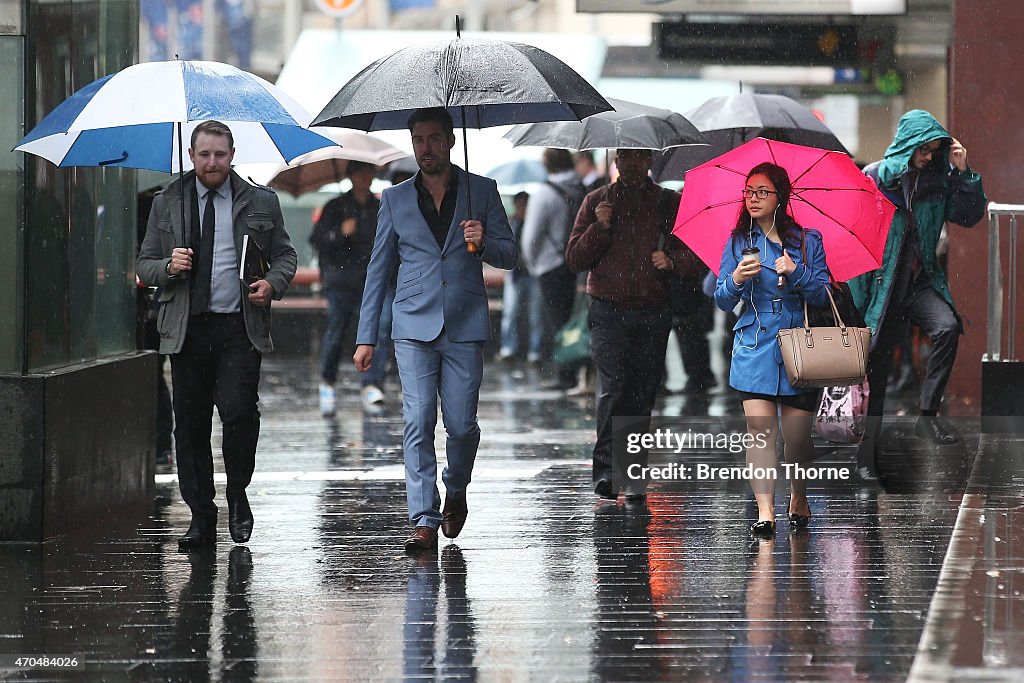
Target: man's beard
[
  {"x": 437, "y": 169},
  {"x": 632, "y": 183}
]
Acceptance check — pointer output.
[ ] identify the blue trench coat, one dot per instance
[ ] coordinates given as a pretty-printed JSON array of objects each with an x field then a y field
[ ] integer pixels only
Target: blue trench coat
[{"x": 756, "y": 360}]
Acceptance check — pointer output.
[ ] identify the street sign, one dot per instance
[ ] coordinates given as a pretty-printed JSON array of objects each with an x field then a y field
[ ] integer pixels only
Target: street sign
[
  {"x": 747, "y": 7},
  {"x": 338, "y": 8},
  {"x": 759, "y": 43}
]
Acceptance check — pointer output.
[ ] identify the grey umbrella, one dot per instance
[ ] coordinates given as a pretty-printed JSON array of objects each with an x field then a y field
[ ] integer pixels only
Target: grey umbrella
[
  {"x": 629, "y": 126},
  {"x": 729, "y": 121}
]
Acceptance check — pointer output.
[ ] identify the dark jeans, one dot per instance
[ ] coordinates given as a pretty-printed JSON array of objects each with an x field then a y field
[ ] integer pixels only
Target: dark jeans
[
  {"x": 927, "y": 309},
  {"x": 217, "y": 366},
  {"x": 924, "y": 307},
  {"x": 342, "y": 308},
  {"x": 692, "y": 329},
  {"x": 558, "y": 290},
  {"x": 628, "y": 349}
]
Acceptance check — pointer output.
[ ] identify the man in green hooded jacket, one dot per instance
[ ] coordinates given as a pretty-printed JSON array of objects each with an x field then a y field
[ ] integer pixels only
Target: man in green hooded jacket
[{"x": 925, "y": 174}]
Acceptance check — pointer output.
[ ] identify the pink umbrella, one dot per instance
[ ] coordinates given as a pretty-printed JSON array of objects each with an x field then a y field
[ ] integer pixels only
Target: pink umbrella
[{"x": 830, "y": 194}]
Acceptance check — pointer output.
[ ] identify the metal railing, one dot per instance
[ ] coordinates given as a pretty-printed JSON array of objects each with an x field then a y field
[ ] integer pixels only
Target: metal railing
[{"x": 994, "y": 348}]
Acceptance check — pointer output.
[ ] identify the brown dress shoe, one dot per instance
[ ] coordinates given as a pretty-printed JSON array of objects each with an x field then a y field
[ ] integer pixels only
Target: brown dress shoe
[
  {"x": 453, "y": 516},
  {"x": 423, "y": 538}
]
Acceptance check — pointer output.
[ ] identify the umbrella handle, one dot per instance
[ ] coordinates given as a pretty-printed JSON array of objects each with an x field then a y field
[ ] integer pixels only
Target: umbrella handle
[{"x": 470, "y": 247}]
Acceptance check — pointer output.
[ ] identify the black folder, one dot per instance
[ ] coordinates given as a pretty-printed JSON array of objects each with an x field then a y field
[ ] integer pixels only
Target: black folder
[{"x": 253, "y": 264}]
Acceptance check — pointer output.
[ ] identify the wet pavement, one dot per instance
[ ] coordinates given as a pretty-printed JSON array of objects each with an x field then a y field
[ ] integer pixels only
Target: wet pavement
[{"x": 544, "y": 583}]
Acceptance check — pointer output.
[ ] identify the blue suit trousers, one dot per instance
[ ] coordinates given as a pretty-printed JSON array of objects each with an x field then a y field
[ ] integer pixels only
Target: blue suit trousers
[{"x": 452, "y": 371}]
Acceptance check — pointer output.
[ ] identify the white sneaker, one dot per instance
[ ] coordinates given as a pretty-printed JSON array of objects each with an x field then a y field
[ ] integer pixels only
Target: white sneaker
[
  {"x": 327, "y": 401},
  {"x": 372, "y": 395}
]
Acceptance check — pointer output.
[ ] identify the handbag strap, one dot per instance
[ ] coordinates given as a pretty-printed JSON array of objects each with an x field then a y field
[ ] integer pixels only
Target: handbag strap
[
  {"x": 835, "y": 311},
  {"x": 828, "y": 290}
]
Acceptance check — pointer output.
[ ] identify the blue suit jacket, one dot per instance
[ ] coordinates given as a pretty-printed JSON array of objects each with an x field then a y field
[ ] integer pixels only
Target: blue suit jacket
[{"x": 437, "y": 287}]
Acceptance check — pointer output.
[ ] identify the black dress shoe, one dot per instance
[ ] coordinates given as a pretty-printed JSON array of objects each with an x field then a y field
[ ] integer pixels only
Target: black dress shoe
[
  {"x": 239, "y": 517},
  {"x": 603, "y": 488},
  {"x": 934, "y": 430},
  {"x": 453, "y": 516},
  {"x": 202, "y": 532},
  {"x": 762, "y": 529}
]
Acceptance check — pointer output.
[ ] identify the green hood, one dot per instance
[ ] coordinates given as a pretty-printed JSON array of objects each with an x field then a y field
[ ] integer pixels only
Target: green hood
[{"x": 916, "y": 128}]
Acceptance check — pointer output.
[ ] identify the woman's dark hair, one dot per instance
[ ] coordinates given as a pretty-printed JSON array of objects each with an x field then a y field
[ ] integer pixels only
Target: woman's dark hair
[{"x": 786, "y": 227}]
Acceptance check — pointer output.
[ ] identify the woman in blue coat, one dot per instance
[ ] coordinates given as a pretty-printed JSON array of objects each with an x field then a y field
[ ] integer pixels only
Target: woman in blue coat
[{"x": 773, "y": 284}]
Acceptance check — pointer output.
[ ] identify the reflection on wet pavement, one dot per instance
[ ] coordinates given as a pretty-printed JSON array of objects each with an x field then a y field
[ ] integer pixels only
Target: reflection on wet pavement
[{"x": 543, "y": 584}]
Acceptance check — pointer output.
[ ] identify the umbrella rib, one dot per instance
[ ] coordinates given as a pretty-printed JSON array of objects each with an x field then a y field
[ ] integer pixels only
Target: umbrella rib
[
  {"x": 809, "y": 168},
  {"x": 798, "y": 190},
  {"x": 708, "y": 208},
  {"x": 731, "y": 170}
]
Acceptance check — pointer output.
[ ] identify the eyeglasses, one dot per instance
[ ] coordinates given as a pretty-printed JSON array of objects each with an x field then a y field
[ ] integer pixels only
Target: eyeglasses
[
  {"x": 760, "y": 194},
  {"x": 925, "y": 150}
]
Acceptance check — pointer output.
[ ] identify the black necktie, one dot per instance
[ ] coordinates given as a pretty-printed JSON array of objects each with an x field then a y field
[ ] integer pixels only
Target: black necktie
[{"x": 203, "y": 260}]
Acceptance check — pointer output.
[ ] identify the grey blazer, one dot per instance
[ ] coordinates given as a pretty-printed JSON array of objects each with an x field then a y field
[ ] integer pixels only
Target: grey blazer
[{"x": 256, "y": 211}]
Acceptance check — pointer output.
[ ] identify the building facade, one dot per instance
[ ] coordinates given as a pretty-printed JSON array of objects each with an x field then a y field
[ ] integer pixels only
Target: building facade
[{"x": 77, "y": 408}]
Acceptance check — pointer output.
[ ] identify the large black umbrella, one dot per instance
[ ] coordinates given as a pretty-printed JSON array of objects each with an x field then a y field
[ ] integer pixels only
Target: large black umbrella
[
  {"x": 629, "y": 126},
  {"x": 729, "y": 121},
  {"x": 481, "y": 82}
]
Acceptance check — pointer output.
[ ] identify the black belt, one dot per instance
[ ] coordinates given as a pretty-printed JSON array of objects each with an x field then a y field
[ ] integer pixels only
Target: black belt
[{"x": 209, "y": 315}]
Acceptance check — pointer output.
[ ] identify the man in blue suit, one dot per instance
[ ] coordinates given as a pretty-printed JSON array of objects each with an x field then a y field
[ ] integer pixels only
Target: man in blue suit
[{"x": 426, "y": 230}]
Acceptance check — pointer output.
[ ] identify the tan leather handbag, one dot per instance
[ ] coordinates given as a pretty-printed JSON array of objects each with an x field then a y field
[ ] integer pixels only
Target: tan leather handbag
[{"x": 825, "y": 356}]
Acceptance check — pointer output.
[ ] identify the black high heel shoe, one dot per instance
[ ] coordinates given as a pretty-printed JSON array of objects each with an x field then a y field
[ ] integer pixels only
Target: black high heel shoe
[
  {"x": 763, "y": 529},
  {"x": 799, "y": 521}
]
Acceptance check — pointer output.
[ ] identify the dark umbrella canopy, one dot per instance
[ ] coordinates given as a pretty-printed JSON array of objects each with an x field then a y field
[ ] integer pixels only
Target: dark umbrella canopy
[
  {"x": 729, "y": 121},
  {"x": 498, "y": 83},
  {"x": 628, "y": 126}
]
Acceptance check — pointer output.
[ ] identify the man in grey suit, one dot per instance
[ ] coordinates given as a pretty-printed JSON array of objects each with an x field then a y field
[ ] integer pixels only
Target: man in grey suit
[
  {"x": 215, "y": 327},
  {"x": 426, "y": 231}
]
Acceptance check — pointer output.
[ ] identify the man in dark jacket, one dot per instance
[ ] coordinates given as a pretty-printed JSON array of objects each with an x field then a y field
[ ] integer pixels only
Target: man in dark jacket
[
  {"x": 215, "y": 327},
  {"x": 343, "y": 238},
  {"x": 617, "y": 237},
  {"x": 925, "y": 174}
]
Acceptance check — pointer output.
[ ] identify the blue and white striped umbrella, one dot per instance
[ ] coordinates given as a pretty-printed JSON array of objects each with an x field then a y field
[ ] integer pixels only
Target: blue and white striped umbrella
[{"x": 131, "y": 118}]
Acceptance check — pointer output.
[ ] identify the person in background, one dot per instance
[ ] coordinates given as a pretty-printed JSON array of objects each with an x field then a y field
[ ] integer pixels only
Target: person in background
[
  {"x": 926, "y": 175},
  {"x": 618, "y": 237},
  {"x": 215, "y": 327},
  {"x": 343, "y": 239},
  {"x": 148, "y": 300},
  {"x": 521, "y": 303},
  {"x": 757, "y": 371},
  {"x": 549, "y": 220},
  {"x": 586, "y": 169}
]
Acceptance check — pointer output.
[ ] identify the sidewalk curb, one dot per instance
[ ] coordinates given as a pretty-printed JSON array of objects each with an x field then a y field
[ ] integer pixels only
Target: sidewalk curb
[{"x": 938, "y": 647}]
